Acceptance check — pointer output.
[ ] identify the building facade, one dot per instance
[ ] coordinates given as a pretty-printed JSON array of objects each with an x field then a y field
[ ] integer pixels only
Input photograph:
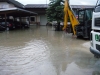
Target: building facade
[
  {"x": 36, "y": 12},
  {"x": 41, "y": 10}
]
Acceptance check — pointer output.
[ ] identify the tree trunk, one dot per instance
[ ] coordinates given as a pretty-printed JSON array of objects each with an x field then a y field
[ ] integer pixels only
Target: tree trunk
[{"x": 58, "y": 27}]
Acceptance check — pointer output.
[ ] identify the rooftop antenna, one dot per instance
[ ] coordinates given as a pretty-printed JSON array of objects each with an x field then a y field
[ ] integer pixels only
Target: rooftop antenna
[
  {"x": 46, "y": 3},
  {"x": 97, "y": 2}
]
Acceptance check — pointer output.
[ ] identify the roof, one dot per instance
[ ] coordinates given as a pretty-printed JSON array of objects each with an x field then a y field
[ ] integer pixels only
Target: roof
[
  {"x": 82, "y": 6},
  {"x": 36, "y": 6},
  {"x": 17, "y": 12},
  {"x": 46, "y": 6},
  {"x": 16, "y": 3}
]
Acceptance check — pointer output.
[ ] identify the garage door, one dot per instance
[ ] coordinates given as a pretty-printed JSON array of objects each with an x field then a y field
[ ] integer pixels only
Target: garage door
[{"x": 43, "y": 20}]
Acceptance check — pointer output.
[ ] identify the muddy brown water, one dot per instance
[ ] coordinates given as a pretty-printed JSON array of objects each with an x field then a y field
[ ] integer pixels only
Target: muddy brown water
[{"x": 43, "y": 51}]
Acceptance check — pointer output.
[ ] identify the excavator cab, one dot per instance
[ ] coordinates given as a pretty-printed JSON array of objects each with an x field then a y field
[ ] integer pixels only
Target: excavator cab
[{"x": 85, "y": 19}]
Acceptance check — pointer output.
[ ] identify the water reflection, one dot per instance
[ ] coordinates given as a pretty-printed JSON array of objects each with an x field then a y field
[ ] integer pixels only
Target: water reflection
[
  {"x": 96, "y": 73},
  {"x": 43, "y": 51}
]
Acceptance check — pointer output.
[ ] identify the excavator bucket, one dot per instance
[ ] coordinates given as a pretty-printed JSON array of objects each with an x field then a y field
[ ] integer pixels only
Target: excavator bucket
[
  {"x": 73, "y": 20},
  {"x": 68, "y": 12},
  {"x": 65, "y": 15}
]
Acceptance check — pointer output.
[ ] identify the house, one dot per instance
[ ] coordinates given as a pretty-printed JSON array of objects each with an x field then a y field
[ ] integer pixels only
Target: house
[
  {"x": 77, "y": 7},
  {"x": 41, "y": 18},
  {"x": 41, "y": 10},
  {"x": 11, "y": 9},
  {"x": 36, "y": 12}
]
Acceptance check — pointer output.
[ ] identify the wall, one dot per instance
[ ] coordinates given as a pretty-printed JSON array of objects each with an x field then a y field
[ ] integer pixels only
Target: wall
[
  {"x": 4, "y": 5},
  {"x": 40, "y": 19},
  {"x": 37, "y": 20}
]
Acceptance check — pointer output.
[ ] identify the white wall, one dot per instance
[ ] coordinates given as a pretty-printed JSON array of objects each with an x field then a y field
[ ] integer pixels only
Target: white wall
[
  {"x": 11, "y": 6},
  {"x": 38, "y": 18},
  {"x": 4, "y": 5}
]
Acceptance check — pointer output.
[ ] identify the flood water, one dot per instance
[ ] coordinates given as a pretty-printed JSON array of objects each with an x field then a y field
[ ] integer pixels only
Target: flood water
[{"x": 43, "y": 51}]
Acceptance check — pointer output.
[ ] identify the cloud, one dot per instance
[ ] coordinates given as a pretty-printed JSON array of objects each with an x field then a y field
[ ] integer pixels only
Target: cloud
[
  {"x": 72, "y": 2},
  {"x": 84, "y": 2},
  {"x": 33, "y": 1}
]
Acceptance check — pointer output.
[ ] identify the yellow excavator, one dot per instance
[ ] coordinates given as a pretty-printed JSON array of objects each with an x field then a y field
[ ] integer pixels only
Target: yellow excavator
[
  {"x": 69, "y": 13},
  {"x": 81, "y": 26}
]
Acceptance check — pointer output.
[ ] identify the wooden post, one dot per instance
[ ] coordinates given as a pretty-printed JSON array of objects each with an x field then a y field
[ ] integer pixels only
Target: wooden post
[
  {"x": 2, "y": 18},
  {"x": 20, "y": 22},
  {"x": 36, "y": 20},
  {"x": 29, "y": 20},
  {"x": 7, "y": 28}
]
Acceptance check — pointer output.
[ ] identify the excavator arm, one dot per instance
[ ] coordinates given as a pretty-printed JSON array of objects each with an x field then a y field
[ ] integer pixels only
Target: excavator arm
[{"x": 69, "y": 13}]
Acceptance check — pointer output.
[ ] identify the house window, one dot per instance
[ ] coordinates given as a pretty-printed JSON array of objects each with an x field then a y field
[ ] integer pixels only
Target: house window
[{"x": 32, "y": 18}]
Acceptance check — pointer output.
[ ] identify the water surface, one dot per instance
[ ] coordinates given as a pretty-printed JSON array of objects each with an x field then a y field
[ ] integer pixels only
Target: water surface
[{"x": 43, "y": 51}]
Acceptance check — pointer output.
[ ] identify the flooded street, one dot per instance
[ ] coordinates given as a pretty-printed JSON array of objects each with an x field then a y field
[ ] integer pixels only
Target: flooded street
[{"x": 43, "y": 51}]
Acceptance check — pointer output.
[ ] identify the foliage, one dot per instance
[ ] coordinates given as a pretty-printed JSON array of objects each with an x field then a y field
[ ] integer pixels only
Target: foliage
[{"x": 55, "y": 10}]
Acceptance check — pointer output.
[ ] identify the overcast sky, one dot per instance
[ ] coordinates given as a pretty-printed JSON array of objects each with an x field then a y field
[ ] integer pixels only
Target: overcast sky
[{"x": 72, "y": 2}]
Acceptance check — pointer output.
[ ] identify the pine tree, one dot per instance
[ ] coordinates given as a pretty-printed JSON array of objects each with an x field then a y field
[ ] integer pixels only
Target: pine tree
[{"x": 55, "y": 12}]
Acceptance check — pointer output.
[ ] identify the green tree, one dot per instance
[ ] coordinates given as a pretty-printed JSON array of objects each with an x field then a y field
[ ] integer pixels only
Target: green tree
[{"x": 55, "y": 11}]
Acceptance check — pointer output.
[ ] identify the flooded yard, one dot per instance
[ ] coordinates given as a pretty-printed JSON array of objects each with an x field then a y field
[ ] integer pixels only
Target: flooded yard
[{"x": 43, "y": 51}]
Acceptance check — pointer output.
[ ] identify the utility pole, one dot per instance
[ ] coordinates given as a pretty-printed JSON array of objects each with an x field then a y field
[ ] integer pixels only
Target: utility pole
[{"x": 46, "y": 3}]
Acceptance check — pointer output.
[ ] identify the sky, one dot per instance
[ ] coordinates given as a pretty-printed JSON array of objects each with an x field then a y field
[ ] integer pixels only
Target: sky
[{"x": 72, "y": 2}]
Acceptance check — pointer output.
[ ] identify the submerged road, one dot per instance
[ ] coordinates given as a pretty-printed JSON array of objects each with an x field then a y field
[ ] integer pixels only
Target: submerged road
[{"x": 43, "y": 51}]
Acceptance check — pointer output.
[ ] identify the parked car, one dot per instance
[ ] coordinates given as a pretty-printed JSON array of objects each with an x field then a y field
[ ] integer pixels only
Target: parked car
[
  {"x": 21, "y": 24},
  {"x": 25, "y": 24},
  {"x": 7, "y": 25},
  {"x": 2, "y": 28}
]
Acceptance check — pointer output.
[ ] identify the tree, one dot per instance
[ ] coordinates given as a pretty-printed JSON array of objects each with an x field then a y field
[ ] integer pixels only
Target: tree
[{"x": 55, "y": 11}]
